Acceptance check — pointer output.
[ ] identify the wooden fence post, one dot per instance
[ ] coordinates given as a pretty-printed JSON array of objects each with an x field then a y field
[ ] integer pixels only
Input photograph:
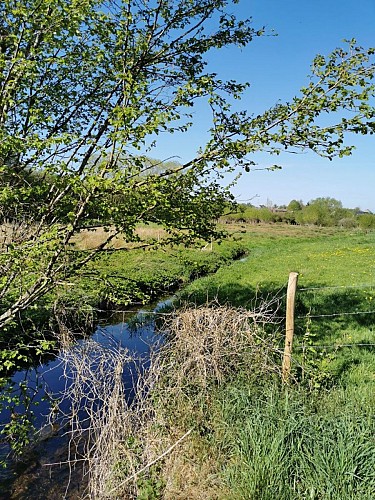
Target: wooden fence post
[{"x": 289, "y": 328}]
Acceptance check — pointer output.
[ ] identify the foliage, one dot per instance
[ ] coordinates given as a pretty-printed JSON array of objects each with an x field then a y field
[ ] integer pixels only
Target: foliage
[
  {"x": 77, "y": 103},
  {"x": 87, "y": 87},
  {"x": 294, "y": 206},
  {"x": 18, "y": 401},
  {"x": 367, "y": 221},
  {"x": 324, "y": 212}
]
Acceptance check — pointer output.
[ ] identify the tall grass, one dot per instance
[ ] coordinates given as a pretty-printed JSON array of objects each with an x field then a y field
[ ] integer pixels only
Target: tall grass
[
  {"x": 210, "y": 419},
  {"x": 288, "y": 445}
]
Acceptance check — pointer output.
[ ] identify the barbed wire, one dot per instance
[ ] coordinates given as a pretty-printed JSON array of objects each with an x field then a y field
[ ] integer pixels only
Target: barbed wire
[
  {"x": 333, "y": 346},
  {"x": 333, "y": 287},
  {"x": 332, "y": 315}
]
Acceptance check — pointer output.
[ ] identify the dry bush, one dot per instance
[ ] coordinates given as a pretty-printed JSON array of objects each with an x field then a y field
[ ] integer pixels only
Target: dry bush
[
  {"x": 207, "y": 345},
  {"x": 99, "y": 420},
  {"x": 110, "y": 434},
  {"x": 155, "y": 440}
]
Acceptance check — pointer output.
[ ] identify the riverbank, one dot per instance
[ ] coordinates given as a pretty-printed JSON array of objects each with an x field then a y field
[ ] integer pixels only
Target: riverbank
[
  {"x": 120, "y": 279},
  {"x": 230, "y": 428},
  {"x": 213, "y": 419}
]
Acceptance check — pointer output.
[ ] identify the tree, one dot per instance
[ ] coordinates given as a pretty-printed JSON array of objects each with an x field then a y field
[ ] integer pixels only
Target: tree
[
  {"x": 366, "y": 221},
  {"x": 294, "y": 206},
  {"x": 323, "y": 212},
  {"x": 85, "y": 89}
]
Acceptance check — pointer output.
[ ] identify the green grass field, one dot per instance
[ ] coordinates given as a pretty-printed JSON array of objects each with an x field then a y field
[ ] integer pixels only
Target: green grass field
[
  {"x": 250, "y": 436},
  {"x": 323, "y": 258},
  {"x": 336, "y": 289},
  {"x": 315, "y": 438}
]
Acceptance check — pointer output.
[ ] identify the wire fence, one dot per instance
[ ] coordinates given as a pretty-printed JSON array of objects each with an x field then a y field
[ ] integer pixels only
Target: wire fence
[
  {"x": 339, "y": 313},
  {"x": 327, "y": 318},
  {"x": 277, "y": 297},
  {"x": 313, "y": 303}
]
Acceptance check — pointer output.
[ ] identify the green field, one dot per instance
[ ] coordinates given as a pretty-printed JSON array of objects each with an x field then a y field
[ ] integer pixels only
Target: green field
[
  {"x": 325, "y": 257},
  {"x": 314, "y": 438},
  {"x": 245, "y": 435},
  {"x": 336, "y": 288}
]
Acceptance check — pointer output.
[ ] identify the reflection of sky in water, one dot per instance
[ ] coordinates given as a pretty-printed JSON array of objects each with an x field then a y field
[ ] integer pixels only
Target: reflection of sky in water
[
  {"x": 137, "y": 335},
  {"x": 121, "y": 335},
  {"x": 48, "y": 375}
]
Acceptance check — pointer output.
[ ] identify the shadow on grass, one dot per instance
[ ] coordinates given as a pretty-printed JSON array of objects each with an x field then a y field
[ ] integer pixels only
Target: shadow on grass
[
  {"x": 322, "y": 313},
  {"x": 235, "y": 295}
]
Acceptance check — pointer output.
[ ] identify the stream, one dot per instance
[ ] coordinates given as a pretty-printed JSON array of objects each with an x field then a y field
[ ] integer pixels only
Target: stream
[{"x": 29, "y": 478}]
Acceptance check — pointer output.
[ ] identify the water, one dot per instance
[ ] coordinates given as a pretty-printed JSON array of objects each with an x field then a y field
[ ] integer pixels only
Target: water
[{"x": 29, "y": 478}]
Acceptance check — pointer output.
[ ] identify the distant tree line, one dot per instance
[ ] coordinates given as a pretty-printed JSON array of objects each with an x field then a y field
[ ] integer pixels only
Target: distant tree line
[{"x": 323, "y": 212}]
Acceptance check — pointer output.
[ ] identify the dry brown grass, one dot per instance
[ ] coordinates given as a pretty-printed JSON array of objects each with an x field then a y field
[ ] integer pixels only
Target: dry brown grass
[
  {"x": 128, "y": 448},
  {"x": 211, "y": 343},
  {"x": 192, "y": 473},
  {"x": 16, "y": 232},
  {"x": 88, "y": 239}
]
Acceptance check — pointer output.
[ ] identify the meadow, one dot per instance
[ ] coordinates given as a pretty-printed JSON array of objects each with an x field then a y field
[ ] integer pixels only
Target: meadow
[
  {"x": 335, "y": 303},
  {"x": 212, "y": 418},
  {"x": 315, "y": 437}
]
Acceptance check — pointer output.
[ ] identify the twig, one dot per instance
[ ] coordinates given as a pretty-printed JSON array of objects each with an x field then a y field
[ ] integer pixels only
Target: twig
[
  {"x": 151, "y": 463},
  {"x": 66, "y": 462}
]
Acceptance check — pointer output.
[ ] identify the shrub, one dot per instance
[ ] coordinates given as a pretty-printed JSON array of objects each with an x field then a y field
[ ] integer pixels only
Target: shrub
[{"x": 366, "y": 221}]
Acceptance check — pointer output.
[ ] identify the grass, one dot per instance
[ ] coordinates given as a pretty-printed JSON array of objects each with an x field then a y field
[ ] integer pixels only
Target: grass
[
  {"x": 295, "y": 446},
  {"x": 326, "y": 258},
  {"x": 336, "y": 297},
  {"x": 216, "y": 383},
  {"x": 249, "y": 437},
  {"x": 138, "y": 276},
  {"x": 315, "y": 439}
]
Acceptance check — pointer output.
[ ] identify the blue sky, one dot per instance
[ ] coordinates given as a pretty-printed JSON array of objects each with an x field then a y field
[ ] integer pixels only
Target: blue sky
[{"x": 276, "y": 67}]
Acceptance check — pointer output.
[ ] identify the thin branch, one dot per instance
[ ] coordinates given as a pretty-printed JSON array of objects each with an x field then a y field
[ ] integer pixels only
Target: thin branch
[{"x": 147, "y": 466}]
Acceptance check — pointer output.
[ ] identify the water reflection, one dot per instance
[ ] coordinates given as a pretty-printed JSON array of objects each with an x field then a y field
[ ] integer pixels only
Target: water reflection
[{"x": 44, "y": 384}]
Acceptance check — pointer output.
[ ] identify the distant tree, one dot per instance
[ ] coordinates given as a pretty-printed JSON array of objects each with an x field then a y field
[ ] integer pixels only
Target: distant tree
[
  {"x": 366, "y": 221},
  {"x": 322, "y": 212},
  {"x": 265, "y": 215},
  {"x": 348, "y": 222},
  {"x": 294, "y": 206},
  {"x": 87, "y": 86}
]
